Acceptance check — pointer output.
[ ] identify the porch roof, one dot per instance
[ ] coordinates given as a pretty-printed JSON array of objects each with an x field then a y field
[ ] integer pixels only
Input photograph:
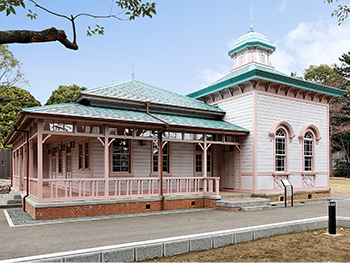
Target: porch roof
[
  {"x": 173, "y": 120},
  {"x": 89, "y": 112},
  {"x": 82, "y": 111}
]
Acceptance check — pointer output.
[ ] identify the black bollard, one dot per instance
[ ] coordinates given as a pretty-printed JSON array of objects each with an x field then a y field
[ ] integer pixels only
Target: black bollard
[{"x": 332, "y": 223}]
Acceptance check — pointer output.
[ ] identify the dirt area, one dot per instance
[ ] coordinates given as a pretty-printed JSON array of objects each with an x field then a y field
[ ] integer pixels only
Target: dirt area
[
  {"x": 340, "y": 186},
  {"x": 312, "y": 246},
  {"x": 4, "y": 186}
]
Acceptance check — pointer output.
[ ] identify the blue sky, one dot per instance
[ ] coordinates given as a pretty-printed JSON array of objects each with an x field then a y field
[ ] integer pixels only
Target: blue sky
[{"x": 183, "y": 48}]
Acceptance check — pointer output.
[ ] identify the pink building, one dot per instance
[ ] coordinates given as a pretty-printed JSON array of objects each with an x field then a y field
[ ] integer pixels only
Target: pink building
[{"x": 132, "y": 147}]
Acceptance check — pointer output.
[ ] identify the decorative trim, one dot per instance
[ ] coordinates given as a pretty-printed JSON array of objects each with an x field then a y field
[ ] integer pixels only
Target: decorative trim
[
  {"x": 312, "y": 128},
  {"x": 285, "y": 125}
]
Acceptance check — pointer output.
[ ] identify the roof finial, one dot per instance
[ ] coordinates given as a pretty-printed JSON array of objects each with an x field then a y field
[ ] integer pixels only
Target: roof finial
[
  {"x": 132, "y": 75},
  {"x": 251, "y": 19}
]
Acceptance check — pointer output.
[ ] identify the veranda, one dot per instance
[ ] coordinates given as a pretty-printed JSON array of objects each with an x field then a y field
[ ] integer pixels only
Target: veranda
[{"x": 77, "y": 160}]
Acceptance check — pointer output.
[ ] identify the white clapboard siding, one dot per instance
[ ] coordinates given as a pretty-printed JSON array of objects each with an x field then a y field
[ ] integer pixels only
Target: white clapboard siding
[
  {"x": 321, "y": 180},
  {"x": 265, "y": 182},
  {"x": 98, "y": 158},
  {"x": 298, "y": 114},
  {"x": 76, "y": 173},
  {"x": 142, "y": 158},
  {"x": 247, "y": 182},
  {"x": 182, "y": 162},
  {"x": 239, "y": 111}
]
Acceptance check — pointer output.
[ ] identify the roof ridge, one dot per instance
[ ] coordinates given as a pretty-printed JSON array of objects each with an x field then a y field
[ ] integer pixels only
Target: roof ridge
[
  {"x": 135, "y": 89},
  {"x": 104, "y": 86},
  {"x": 177, "y": 94}
]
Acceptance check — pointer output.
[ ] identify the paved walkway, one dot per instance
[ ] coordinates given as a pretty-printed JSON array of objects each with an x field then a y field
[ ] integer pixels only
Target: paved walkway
[{"x": 50, "y": 238}]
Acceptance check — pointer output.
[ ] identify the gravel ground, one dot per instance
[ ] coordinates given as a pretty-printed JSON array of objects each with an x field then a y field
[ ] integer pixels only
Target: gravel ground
[{"x": 20, "y": 218}]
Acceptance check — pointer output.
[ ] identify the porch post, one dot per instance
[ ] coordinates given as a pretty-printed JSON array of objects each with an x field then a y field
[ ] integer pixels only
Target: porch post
[
  {"x": 40, "y": 159},
  {"x": 204, "y": 163},
  {"x": 25, "y": 162},
  {"x": 31, "y": 159},
  {"x": 106, "y": 167},
  {"x": 160, "y": 166}
]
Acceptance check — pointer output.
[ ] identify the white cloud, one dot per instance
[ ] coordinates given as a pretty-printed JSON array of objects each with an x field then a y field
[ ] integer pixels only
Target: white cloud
[
  {"x": 282, "y": 6},
  {"x": 311, "y": 44},
  {"x": 208, "y": 76}
]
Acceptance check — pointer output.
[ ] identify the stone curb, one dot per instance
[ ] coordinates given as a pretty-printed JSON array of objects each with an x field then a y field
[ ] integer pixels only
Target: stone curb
[{"x": 137, "y": 251}]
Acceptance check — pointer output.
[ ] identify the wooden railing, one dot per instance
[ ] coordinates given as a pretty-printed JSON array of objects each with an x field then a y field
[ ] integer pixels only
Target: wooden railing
[
  {"x": 191, "y": 185},
  {"x": 118, "y": 188}
]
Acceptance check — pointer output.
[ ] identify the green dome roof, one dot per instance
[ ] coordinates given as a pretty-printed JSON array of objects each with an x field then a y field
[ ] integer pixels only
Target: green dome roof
[{"x": 251, "y": 39}]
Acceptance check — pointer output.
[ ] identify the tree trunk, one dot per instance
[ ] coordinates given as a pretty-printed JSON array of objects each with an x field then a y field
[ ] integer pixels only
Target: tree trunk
[{"x": 27, "y": 36}]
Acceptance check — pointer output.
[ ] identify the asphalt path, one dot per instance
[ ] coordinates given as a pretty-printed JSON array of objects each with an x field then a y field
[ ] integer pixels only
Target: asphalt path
[{"x": 33, "y": 240}]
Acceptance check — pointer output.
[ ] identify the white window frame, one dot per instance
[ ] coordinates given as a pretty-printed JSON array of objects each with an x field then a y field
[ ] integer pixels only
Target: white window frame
[
  {"x": 280, "y": 153},
  {"x": 307, "y": 153}
]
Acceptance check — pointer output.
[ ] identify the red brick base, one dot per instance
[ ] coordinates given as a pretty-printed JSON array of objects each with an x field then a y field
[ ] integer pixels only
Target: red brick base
[
  {"x": 309, "y": 195},
  {"x": 44, "y": 213}
]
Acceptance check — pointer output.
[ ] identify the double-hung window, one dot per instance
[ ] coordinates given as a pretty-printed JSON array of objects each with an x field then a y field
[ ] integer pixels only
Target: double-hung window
[
  {"x": 165, "y": 158},
  {"x": 308, "y": 152},
  {"x": 84, "y": 155},
  {"x": 280, "y": 151},
  {"x": 121, "y": 156}
]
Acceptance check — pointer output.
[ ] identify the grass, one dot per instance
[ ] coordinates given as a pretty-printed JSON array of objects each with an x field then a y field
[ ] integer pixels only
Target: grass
[{"x": 340, "y": 186}]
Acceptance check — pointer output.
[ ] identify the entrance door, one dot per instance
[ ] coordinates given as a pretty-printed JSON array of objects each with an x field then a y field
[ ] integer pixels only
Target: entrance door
[{"x": 229, "y": 170}]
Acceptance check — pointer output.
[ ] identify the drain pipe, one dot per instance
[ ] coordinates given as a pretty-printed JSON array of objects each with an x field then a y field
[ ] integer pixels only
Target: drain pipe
[
  {"x": 160, "y": 152},
  {"x": 27, "y": 170}
]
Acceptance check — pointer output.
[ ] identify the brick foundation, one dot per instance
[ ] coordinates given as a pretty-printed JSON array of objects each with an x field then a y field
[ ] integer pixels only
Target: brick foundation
[
  {"x": 64, "y": 211},
  {"x": 307, "y": 195}
]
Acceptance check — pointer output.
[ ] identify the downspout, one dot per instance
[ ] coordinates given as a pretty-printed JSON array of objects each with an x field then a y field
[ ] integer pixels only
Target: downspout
[
  {"x": 160, "y": 152},
  {"x": 11, "y": 169},
  {"x": 27, "y": 170}
]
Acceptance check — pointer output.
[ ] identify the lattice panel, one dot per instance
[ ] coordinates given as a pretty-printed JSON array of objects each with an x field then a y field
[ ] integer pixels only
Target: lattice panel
[
  {"x": 277, "y": 181},
  {"x": 308, "y": 180}
]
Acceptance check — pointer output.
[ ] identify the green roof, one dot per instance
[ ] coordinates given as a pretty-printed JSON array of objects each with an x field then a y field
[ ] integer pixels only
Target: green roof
[
  {"x": 77, "y": 110},
  {"x": 89, "y": 112},
  {"x": 134, "y": 90},
  {"x": 254, "y": 71},
  {"x": 199, "y": 123},
  {"x": 251, "y": 39}
]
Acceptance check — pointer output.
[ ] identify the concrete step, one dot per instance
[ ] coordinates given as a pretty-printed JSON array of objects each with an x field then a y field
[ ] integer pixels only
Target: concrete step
[
  {"x": 236, "y": 196},
  {"x": 11, "y": 200},
  {"x": 255, "y": 208},
  {"x": 16, "y": 195},
  {"x": 243, "y": 202},
  {"x": 14, "y": 202}
]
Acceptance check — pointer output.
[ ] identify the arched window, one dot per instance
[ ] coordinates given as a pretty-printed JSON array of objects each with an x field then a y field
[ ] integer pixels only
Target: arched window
[
  {"x": 308, "y": 151},
  {"x": 280, "y": 150}
]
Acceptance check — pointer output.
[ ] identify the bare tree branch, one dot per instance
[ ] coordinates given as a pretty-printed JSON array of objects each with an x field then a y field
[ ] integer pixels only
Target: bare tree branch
[
  {"x": 47, "y": 10},
  {"x": 27, "y": 36}
]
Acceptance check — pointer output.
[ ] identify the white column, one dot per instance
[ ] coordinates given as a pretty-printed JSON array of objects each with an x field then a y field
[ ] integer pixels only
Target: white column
[
  {"x": 106, "y": 163},
  {"x": 40, "y": 159}
]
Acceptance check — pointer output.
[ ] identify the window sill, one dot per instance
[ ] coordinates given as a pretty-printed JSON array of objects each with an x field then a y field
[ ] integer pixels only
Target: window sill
[
  {"x": 121, "y": 175},
  {"x": 156, "y": 175},
  {"x": 281, "y": 173},
  {"x": 309, "y": 173}
]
